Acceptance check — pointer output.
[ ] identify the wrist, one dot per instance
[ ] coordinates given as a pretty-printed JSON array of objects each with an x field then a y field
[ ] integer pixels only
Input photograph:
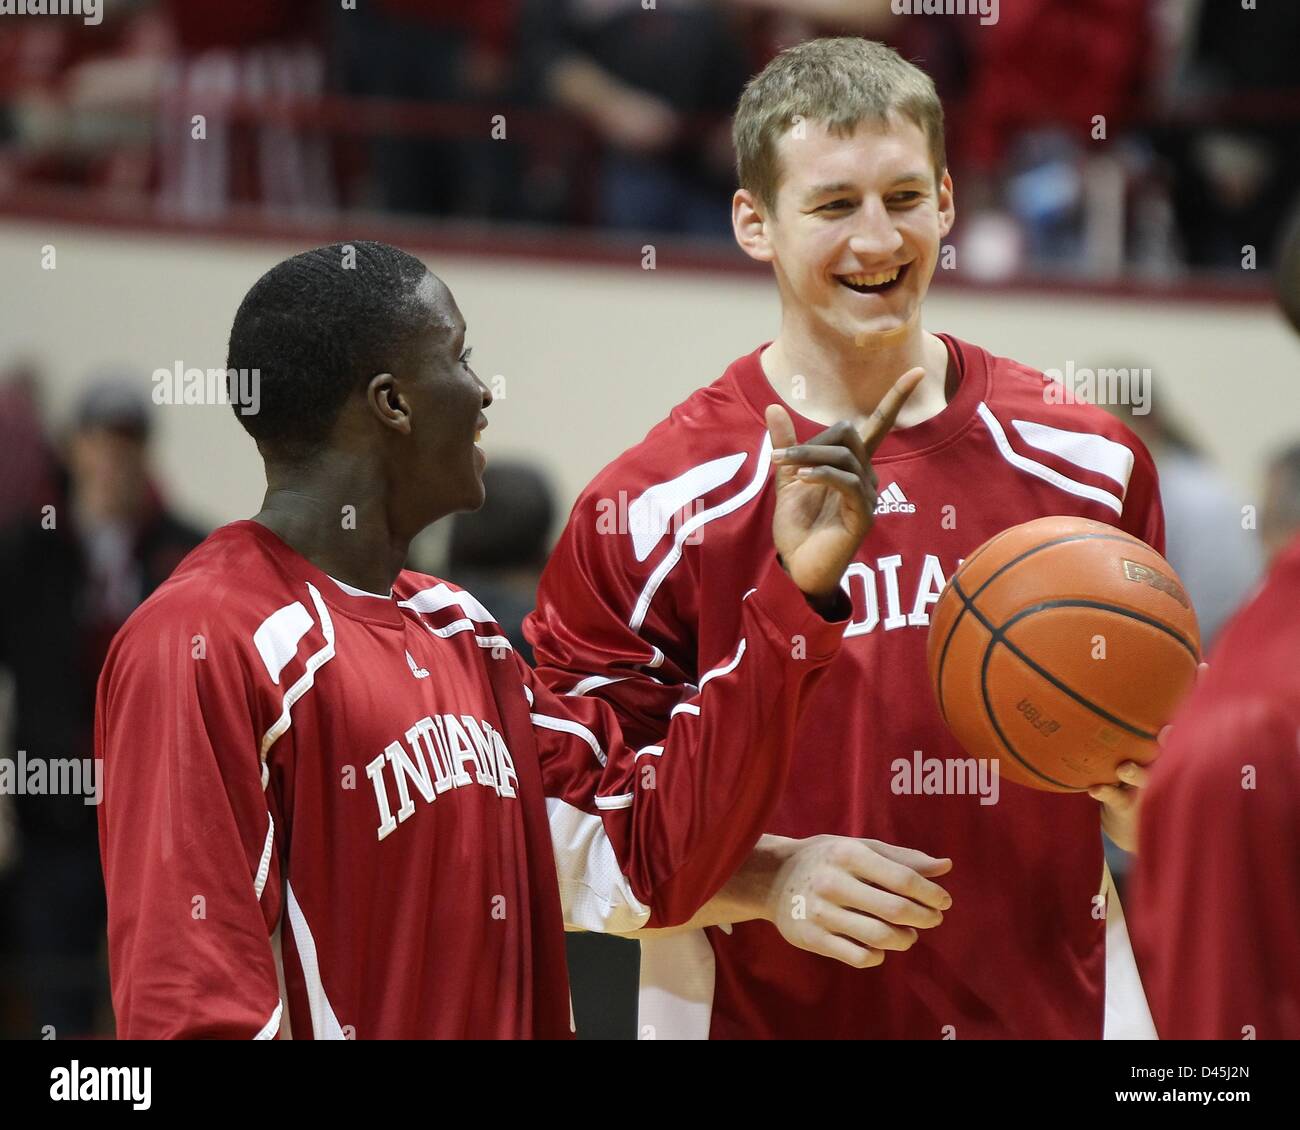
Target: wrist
[
  {"x": 831, "y": 605},
  {"x": 756, "y": 891}
]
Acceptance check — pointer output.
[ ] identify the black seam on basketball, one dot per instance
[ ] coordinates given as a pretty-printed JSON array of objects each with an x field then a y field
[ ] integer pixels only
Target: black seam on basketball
[
  {"x": 1080, "y": 602},
  {"x": 943, "y": 653},
  {"x": 997, "y": 726},
  {"x": 999, "y": 637},
  {"x": 966, "y": 600},
  {"x": 1048, "y": 545}
]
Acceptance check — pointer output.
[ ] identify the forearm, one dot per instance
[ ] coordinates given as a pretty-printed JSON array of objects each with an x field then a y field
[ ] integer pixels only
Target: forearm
[
  {"x": 746, "y": 896},
  {"x": 583, "y": 86}
]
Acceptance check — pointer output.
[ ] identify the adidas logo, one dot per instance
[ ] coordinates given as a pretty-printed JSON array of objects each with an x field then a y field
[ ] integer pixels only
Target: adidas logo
[
  {"x": 892, "y": 500},
  {"x": 418, "y": 672}
]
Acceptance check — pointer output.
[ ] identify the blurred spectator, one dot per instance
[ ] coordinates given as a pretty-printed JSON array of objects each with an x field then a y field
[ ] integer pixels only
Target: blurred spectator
[
  {"x": 657, "y": 85},
  {"x": 261, "y": 53},
  {"x": 1288, "y": 271},
  {"x": 80, "y": 96},
  {"x": 70, "y": 579},
  {"x": 1279, "y": 519},
  {"x": 435, "y": 51},
  {"x": 26, "y": 461},
  {"x": 497, "y": 552},
  {"x": 1033, "y": 179},
  {"x": 1206, "y": 541},
  {"x": 1236, "y": 180}
]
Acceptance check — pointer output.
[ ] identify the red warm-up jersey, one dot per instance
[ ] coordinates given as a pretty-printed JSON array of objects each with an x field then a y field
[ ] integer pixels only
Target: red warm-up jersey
[
  {"x": 1024, "y": 951},
  {"x": 1216, "y": 895},
  {"x": 336, "y": 814}
]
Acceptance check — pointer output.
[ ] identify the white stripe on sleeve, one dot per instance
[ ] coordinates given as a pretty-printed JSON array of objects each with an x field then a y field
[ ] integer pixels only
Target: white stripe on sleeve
[{"x": 566, "y": 726}]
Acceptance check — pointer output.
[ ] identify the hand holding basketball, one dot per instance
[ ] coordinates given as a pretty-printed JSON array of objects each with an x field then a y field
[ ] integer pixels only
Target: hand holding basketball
[
  {"x": 1121, "y": 803},
  {"x": 1061, "y": 647}
]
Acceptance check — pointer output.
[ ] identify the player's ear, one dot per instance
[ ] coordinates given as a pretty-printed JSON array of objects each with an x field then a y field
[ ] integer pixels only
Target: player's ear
[
  {"x": 387, "y": 402},
  {"x": 749, "y": 222},
  {"x": 947, "y": 207}
]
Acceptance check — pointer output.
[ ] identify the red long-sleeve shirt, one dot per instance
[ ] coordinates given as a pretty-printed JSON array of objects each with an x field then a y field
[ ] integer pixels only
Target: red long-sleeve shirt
[
  {"x": 1215, "y": 912},
  {"x": 338, "y": 808}
]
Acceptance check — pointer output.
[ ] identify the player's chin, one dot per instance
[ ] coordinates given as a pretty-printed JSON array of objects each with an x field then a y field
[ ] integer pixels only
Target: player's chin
[
  {"x": 878, "y": 331},
  {"x": 475, "y": 492}
]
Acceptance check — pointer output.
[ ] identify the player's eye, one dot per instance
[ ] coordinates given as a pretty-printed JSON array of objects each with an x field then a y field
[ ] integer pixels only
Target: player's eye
[
  {"x": 906, "y": 197},
  {"x": 464, "y": 357},
  {"x": 836, "y": 206}
]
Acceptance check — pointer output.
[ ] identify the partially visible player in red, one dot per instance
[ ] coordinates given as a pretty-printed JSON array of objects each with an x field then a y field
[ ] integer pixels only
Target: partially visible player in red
[
  {"x": 844, "y": 190},
  {"x": 325, "y": 809},
  {"x": 1216, "y": 897}
]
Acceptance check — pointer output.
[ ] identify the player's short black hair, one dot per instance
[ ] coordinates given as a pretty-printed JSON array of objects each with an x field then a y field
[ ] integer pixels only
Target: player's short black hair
[{"x": 316, "y": 327}]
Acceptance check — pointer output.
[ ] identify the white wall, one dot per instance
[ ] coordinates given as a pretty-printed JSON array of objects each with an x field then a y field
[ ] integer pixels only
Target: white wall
[{"x": 592, "y": 356}]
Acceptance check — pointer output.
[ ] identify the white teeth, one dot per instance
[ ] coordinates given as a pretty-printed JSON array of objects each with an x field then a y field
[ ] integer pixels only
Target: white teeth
[
  {"x": 478, "y": 436},
  {"x": 872, "y": 280}
]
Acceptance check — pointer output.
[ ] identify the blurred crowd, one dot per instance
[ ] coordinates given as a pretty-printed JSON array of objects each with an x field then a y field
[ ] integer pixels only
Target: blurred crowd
[{"x": 1098, "y": 137}]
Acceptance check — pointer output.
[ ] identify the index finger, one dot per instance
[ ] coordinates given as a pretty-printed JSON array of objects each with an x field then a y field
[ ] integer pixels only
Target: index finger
[
  {"x": 884, "y": 872},
  {"x": 917, "y": 860},
  {"x": 882, "y": 419}
]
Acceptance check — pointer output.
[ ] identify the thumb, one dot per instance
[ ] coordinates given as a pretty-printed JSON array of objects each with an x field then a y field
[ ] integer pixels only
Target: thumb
[{"x": 780, "y": 427}]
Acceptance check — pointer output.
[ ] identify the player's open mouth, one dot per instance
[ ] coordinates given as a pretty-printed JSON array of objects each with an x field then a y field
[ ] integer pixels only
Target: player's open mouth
[{"x": 880, "y": 283}]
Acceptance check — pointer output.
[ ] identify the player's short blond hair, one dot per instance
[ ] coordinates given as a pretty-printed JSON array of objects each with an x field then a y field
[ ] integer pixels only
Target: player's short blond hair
[{"x": 839, "y": 83}]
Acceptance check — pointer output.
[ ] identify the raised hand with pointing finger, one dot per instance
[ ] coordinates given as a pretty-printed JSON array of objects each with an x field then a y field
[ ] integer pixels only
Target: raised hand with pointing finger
[{"x": 826, "y": 489}]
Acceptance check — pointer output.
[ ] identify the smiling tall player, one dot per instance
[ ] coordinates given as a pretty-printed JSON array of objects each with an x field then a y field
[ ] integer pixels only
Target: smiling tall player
[{"x": 844, "y": 190}]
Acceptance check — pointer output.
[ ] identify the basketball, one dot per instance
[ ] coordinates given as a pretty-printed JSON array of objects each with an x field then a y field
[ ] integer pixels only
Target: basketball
[{"x": 1061, "y": 647}]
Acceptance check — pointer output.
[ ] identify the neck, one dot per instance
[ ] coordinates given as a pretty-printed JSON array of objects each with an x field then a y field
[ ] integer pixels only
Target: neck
[
  {"x": 335, "y": 516},
  {"x": 841, "y": 379}
]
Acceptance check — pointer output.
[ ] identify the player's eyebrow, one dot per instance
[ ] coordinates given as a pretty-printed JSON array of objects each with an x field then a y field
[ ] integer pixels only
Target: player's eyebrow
[{"x": 828, "y": 189}]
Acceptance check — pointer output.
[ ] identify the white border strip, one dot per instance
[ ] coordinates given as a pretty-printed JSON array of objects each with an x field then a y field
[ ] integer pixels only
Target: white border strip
[
  {"x": 324, "y": 1024},
  {"x": 567, "y": 726},
  {"x": 264, "y": 867},
  {"x": 306, "y": 679},
  {"x": 272, "y": 1026},
  {"x": 1041, "y": 470},
  {"x": 686, "y": 529}
]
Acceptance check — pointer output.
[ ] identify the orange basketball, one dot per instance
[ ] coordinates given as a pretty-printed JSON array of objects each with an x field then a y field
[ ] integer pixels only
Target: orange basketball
[{"x": 1061, "y": 647}]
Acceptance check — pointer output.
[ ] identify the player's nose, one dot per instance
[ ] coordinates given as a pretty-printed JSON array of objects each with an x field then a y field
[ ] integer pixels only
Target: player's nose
[{"x": 875, "y": 236}]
